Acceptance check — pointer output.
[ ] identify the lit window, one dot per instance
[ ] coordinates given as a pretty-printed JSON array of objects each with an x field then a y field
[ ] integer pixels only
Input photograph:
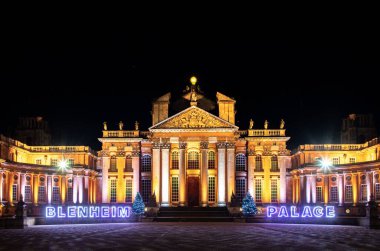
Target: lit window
[
  {"x": 128, "y": 164},
  {"x": 352, "y": 160},
  {"x": 146, "y": 189},
  {"x": 193, "y": 160},
  {"x": 175, "y": 160},
  {"x": 38, "y": 161},
  {"x": 363, "y": 192},
  {"x": 113, "y": 167},
  {"x": 54, "y": 162},
  {"x": 113, "y": 191},
  {"x": 41, "y": 194},
  {"x": 259, "y": 164},
  {"x": 28, "y": 194},
  {"x": 174, "y": 189},
  {"x": 377, "y": 191},
  {"x": 258, "y": 190},
  {"x": 146, "y": 163},
  {"x": 240, "y": 162},
  {"x": 211, "y": 160},
  {"x": 319, "y": 194},
  {"x": 348, "y": 193},
  {"x": 240, "y": 188},
  {"x": 273, "y": 190},
  {"x": 334, "y": 194},
  {"x": 128, "y": 191},
  {"x": 70, "y": 162},
  {"x": 335, "y": 161},
  {"x": 274, "y": 164},
  {"x": 211, "y": 189},
  {"x": 70, "y": 195},
  {"x": 14, "y": 192},
  {"x": 56, "y": 194}
]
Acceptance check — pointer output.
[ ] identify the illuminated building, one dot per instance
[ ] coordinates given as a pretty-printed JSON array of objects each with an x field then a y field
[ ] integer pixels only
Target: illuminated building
[{"x": 191, "y": 158}]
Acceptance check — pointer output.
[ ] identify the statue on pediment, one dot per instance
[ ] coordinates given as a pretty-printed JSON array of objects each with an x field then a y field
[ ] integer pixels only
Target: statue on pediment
[
  {"x": 251, "y": 123},
  {"x": 105, "y": 126},
  {"x": 282, "y": 124},
  {"x": 266, "y": 124}
]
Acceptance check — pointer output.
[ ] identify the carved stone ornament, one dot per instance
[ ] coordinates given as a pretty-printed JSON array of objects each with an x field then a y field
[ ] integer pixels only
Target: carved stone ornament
[
  {"x": 182, "y": 145},
  {"x": 221, "y": 145},
  {"x": 251, "y": 152},
  {"x": 156, "y": 145},
  {"x": 121, "y": 153},
  {"x": 165, "y": 145},
  {"x": 104, "y": 153},
  {"x": 230, "y": 145},
  {"x": 135, "y": 153},
  {"x": 204, "y": 145},
  {"x": 194, "y": 118}
]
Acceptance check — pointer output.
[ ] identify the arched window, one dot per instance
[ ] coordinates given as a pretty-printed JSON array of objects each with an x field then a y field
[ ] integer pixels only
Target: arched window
[
  {"x": 211, "y": 160},
  {"x": 128, "y": 164},
  {"x": 274, "y": 164},
  {"x": 193, "y": 160},
  {"x": 259, "y": 164},
  {"x": 240, "y": 162},
  {"x": 113, "y": 164},
  {"x": 146, "y": 163},
  {"x": 175, "y": 160}
]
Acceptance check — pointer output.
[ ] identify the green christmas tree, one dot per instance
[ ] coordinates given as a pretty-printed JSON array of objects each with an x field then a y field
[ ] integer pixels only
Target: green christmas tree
[
  {"x": 138, "y": 206},
  {"x": 249, "y": 206}
]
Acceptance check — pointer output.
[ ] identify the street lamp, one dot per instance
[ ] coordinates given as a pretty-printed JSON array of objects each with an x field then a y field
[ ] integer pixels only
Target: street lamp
[
  {"x": 63, "y": 165},
  {"x": 325, "y": 164}
]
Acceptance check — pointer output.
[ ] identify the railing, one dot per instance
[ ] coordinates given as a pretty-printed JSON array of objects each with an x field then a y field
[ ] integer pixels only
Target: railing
[
  {"x": 47, "y": 148},
  {"x": 266, "y": 133},
  {"x": 332, "y": 147},
  {"x": 121, "y": 134}
]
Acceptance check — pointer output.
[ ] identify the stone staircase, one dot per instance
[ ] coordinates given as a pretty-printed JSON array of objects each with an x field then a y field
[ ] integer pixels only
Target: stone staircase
[{"x": 193, "y": 214}]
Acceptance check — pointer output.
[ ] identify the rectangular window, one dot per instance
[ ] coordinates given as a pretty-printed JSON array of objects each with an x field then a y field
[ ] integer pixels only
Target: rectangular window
[
  {"x": 273, "y": 190},
  {"x": 56, "y": 198},
  {"x": 70, "y": 162},
  {"x": 258, "y": 190},
  {"x": 240, "y": 188},
  {"x": 211, "y": 189},
  {"x": 28, "y": 194},
  {"x": 259, "y": 164},
  {"x": 334, "y": 194},
  {"x": 363, "y": 192},
  {"x": 53, "y": 162},
  {"x": 70, "y": 195},
  {"x": 128, "y": 191},
  {"x": 146, "y": 189},
  {"x": 113, "y": 191},
  {"x": 41, "y": 194},
  {"x": 174, "y": 189},
  {"x": 14, "y": 192},
  {"x": 319, "y": 194},
  {"x": 377, "y": 191},
  {"x": 128, "y": 164},
  {"x": 335, "y": 161},
  {"x": 348, "y": 193},
  {"x": 39, "y": 161},
  {"x": 352, "y": 160}
]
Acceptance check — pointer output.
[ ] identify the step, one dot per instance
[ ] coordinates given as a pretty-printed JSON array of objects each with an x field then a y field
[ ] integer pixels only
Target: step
[
  {"x": 193, "y": 219},
  {"x": 194, "y": 213}
]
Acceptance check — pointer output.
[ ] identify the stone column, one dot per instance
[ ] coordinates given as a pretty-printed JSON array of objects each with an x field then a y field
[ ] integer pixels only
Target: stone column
[
  {"x": 182, "y": 173},
  {"x": 340, "y": 189},
  {"x": 314, "y": 188},
  {"x": 221, "y": 174},
  {"x": 156, "y": 171},
  {"x": 49, "y": 188},
  {"x": 369, "y": 184},
  {"x": 165, "y": 175},
  {"x": 283, "y": 162},
  {"x": 355, "y": 190},
  {"x": 23, "y": 183},
  {"x": 251, "y": 171},
  {"x": 80, "y": 189},
  {"x": 86, "y": 193},
  {"x": 75, "y": 188},
  {"x": 302, "y": 198},
  {"x": 63, "y": 188},
  {"x": 106, "y": 166},
  {"x": 35, "y": 188},
  {"x": 204, "y": 173},
  {"x": 136, "y": 173},
  {"x": 326, "y": 189},
  {"x": 230, "y": 170},
  {"x": 308, "y": 189},
  {"x": 1, "y": 187}
]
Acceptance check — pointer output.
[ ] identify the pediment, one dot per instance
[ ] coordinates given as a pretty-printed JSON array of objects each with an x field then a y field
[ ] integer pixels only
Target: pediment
[{"x": 193, "y": 118}]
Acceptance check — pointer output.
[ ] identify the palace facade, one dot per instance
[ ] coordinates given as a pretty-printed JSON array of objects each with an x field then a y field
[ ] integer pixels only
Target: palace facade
[{"x": 191, "y": 157}]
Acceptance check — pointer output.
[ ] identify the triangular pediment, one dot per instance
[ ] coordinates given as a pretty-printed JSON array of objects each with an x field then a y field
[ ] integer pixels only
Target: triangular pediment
[{"x": 193, "y": 118}]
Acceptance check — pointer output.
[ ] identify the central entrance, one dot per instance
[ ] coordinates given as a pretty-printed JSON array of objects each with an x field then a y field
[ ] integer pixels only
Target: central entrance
[{"x": 193, "y": 191}]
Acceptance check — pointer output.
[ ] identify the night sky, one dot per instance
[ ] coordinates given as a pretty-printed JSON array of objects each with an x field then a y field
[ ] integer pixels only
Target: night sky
[{"x": 77, "y": 79}]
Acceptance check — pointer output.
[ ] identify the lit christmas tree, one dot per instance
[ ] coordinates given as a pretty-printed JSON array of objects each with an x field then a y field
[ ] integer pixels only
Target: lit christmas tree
[
  {"x": 249, "y": 206},
  {"x": 138, "y": 206}
]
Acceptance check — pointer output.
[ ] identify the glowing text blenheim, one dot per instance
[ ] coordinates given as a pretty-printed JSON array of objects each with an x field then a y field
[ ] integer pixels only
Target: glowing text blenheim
[
  {"x": 307, "y": 211},
  {"x": 88, "y": 212}
]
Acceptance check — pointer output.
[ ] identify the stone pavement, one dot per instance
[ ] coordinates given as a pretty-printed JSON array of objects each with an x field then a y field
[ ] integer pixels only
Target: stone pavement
[{"x": 190, "y": 236}]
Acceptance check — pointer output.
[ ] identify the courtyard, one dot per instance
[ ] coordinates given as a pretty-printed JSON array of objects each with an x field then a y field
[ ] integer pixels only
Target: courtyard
[{"x": 190, "y": 236}]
